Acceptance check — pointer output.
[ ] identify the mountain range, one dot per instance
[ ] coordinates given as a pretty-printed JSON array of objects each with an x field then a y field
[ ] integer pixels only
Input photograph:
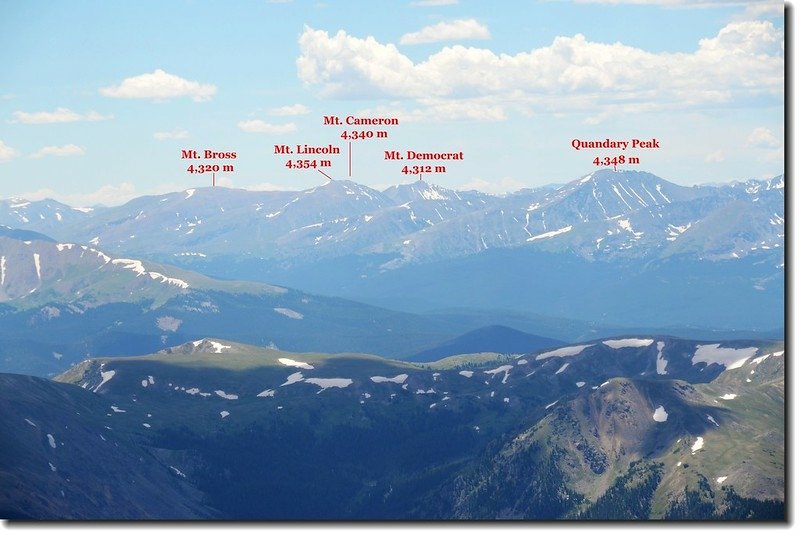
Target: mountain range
[
  {"x": 604, "y": 214},
  {"x": 610, "y": 348},
  {"x": 619, "y": 239},
  {"x": 617, "y": 428},
  {"x": 61, "y": 303}
]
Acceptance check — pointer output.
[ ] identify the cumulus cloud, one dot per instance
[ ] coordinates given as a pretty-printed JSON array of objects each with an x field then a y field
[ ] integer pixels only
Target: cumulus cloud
[
  {"x": 679, "y": 3},
  {"x": 432, "y": 109},
  {"x": 64, "y": 150},
  {"x": 455, "y": 30},
  {"x": 225, "y": 181},
  {"x": 60, "y": 115},
  {"x": 495, "y": 187},
  {"x": 597, "y": 118},
  {"x": 174, "y": 134},
  {"x": 743, "y": 61},
  {"x": 294, "y": 109},
  {"x": 766, "y": 8},
  {"x": 750, "y": 38},
  {"x": 6, "y": 152},
  {"x": 160, "y": 85},
  {"x": 434, "y": 3},
  {"x": 715, "y": 157},
  {"x": 772, "y": 155},
  {"x": 754, "y": 9},
  {"x": 257, "y": 126},
  {"x": 763, "y": 138}
]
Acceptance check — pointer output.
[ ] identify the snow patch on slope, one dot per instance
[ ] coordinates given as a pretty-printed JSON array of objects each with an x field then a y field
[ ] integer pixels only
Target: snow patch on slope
[
  {"x": 628, "y": 342},
  {"x": 37, "y": 262},
  {"x": 329, "y": 383},
  {"x": 714, "y": 354},
  {"x": 506, "y": 368},
  {"x": 295, "y": 363},
  {"x": 289, "y": 313},
  {"x": 569, "y": 351},
  {"x": 137, "y": 267},
  {"x": 550, "y": 234},
  {"x": 661, "y": 362},
  {"x": 399, "y": 379},
  {"x": 294, "y": 378},
  {"x": 106, "y": 376}
]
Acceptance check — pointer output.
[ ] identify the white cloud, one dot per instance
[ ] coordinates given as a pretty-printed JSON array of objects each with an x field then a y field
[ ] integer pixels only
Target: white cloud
[
  {"x": 715, "y": 157},
  {"x": 455, "y": 30},
  {"x": 174, "y": 134},
  {"x": 772, "y": 156},
  {"x": 751, "y": 38},
  {"x": 64, "y": 150},
  {"x": 744, "y": 61},
  {"x": 495, "y": 187},
  {"x": 765, "y": 9},
  {"x": 257, "y": 126},
  {"x": 477, "y": 109},
  {"x": 225, "y": 182},
  {"x": 679, "y": 3},
  {"x": 159, "y": 85},
  {"x": 295, "y": 109},
  {"x": 596, "y": 119},
  {"x": 108, "y": 195},
  {"x": 754, "y": 9},
  {"x": 434, "y": 3},
  {"x": 6, "y": 152},
  {"x": 60, "y": 115},
  {"x": 763, "y": 138}
]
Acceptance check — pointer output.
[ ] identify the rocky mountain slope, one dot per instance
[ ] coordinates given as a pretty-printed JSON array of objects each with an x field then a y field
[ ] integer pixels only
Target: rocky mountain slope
[
  {"x": 609, "y": 238},
  {"x": 606, "y": 214},
  {"x": 63, "y": 302},
  {"x": 614, "y": 428}
]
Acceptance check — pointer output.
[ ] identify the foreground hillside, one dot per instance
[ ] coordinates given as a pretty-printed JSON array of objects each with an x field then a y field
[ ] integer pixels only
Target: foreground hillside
[{"x": 623, "y": 428}]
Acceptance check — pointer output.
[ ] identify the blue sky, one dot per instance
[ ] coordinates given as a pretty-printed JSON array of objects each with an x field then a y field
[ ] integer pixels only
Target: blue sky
[{"x": 97, "y": 98}]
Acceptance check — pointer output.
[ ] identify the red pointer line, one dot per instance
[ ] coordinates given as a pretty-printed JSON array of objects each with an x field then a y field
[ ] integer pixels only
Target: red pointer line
[
  {"x": 349, "y": 158},
  {"x": 329, "y": 178}
]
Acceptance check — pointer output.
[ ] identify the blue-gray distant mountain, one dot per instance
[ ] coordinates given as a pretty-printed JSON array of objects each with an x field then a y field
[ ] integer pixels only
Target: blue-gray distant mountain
[
  {"x": 604, "y": 214},
  {"x": 63, "y": 302},
  {"x": 491, "y": 339},
  {"x": 625, "y": 247},
  {"x": 22, "y": 235},
  {"x": 46, "y": 216}
]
